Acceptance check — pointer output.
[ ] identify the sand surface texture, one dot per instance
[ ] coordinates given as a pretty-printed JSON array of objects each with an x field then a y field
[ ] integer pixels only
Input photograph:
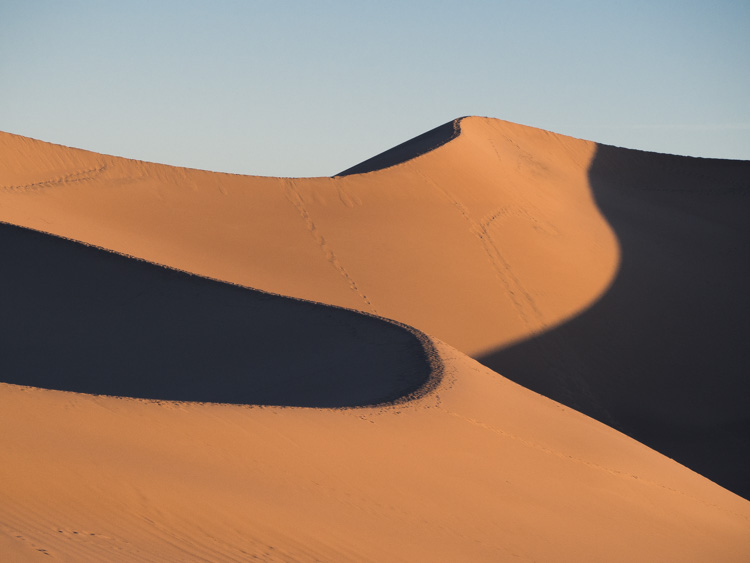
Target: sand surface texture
[{"x": 612, "y": 281}]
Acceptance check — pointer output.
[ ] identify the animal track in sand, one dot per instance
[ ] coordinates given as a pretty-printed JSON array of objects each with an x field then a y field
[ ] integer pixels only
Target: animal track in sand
[{"x": 78, "y": 176}]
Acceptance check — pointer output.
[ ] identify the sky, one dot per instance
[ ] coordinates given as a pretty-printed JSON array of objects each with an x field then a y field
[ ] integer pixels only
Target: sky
[{"x": 282, "y": 88}]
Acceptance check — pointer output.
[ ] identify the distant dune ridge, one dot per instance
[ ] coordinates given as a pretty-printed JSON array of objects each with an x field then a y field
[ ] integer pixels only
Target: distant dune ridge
[
  {"x": 409, "y": 150},
  {"x": 612, "y": 281}
]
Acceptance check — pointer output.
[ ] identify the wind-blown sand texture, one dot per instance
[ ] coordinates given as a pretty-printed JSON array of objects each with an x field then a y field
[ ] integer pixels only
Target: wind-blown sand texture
[{"x": 612, "y": 281}]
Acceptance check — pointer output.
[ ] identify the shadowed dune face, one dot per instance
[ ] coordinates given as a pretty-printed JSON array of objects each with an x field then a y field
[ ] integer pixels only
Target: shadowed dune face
[
  {"x": 78, "y": 318},
  {"x": 663, "y": 354},
  {"x": 482, "y": 242},
  {"x": 412, "y": 148}
]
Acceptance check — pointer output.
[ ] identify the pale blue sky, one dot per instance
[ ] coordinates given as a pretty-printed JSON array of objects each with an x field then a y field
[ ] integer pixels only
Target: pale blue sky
[{"x": 283, "y": 88}]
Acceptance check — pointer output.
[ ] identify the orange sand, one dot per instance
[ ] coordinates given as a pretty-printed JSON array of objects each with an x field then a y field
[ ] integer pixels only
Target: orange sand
[
  {"x": 480, "y": 470},
  {"x": 395, "y": 242},
  {"x": 490, "y": 239}
]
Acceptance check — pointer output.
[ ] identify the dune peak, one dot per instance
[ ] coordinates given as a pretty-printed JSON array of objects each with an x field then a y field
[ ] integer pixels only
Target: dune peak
[{"x": 408, "y": 150}]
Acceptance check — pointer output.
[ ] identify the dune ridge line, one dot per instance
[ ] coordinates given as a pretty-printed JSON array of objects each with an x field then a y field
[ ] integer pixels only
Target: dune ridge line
[
  {"x": 408, "y": 150},
  {"x": 418, "y": 379}
]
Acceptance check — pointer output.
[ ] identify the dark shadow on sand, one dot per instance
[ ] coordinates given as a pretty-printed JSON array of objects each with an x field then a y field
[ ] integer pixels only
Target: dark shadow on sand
[
  {"x": 408, "y": 150},
  {"x": 664, "y": 354},
  {"x": 78, "y": 318}
]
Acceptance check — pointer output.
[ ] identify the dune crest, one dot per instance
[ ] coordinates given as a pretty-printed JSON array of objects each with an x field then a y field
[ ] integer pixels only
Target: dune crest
[
  {"x": 86, "y": 320},
  {"x": 408, "y": 150}
]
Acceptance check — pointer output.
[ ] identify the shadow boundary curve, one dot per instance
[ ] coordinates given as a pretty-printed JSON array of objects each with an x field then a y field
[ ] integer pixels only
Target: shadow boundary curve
[{"x": 85, "y": 319}]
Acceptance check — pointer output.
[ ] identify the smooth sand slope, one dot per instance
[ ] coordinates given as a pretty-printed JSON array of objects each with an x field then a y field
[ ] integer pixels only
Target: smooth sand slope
[
  {"x": 493, "y": 241},
  {"x": 476, "y": 468},
  {"x": 663, "y": 355},
  {"x": 435, "y": 229}
]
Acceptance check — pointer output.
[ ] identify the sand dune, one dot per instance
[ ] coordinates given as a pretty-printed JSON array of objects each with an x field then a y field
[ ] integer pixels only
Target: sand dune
[
  {"x": 435, "y": 224},
  {"x": 663, "y": 354},
  {"x": 582, "y": 271}
]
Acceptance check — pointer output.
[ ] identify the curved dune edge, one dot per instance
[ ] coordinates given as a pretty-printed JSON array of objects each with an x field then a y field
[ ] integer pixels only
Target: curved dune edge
[
  {"x": 118, "y": 325},
  {"x": 439, "y": 222},
  {"x": 669, "y": 332},
  {"x": 408, "y": 150}
]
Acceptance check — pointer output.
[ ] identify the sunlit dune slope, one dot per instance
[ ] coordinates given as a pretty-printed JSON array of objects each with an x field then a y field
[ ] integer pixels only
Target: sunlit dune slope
[
  {"x": 475, "y": 468},
  {"x": 498, "y": 226}
]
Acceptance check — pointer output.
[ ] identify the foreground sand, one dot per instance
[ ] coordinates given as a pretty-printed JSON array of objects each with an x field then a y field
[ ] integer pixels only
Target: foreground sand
[
  {"x": 499, "y": 239},
  {"x": 480, "y": 470},
  {"x": 393, "y": 242}
]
